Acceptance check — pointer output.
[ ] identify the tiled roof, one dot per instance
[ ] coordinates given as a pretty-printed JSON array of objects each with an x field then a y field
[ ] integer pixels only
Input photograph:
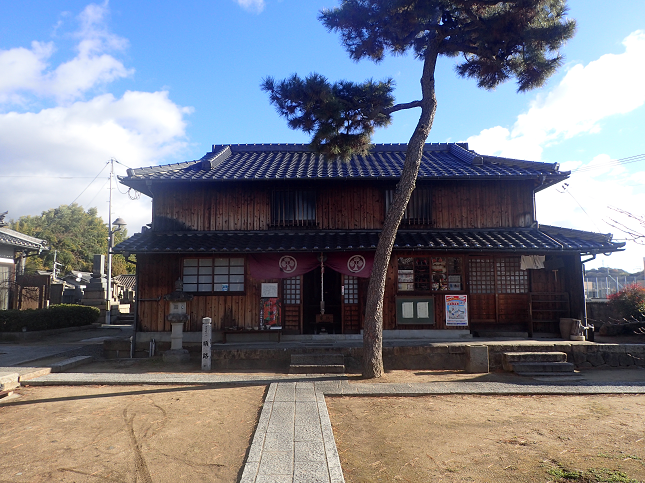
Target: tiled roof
[
  {"x": 262, "y": 162},
  {"x": 126, "y": 280},
  {"x": 19, "y": 240},
  {"x": 526, "y": 240}
]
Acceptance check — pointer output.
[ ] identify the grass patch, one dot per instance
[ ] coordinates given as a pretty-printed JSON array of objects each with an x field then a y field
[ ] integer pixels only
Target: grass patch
[{"x": 592, "y": 475}]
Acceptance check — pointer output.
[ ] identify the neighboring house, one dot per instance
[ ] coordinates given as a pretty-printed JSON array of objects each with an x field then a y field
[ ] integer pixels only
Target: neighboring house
[
  {"x": 124, "y": 288},
  {"x": 249, "y": 228},
  {"x": 14, "y": 248}
]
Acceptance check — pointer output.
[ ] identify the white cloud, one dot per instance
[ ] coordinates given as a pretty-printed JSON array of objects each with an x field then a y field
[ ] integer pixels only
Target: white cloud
[
  {"x": 611, "y": 85},
  {"x": 586, "y": 96},
  {"x": 255, "y": 6},
  {"x": 26, "y": 71},
  {"x": 50, "y": 156}
]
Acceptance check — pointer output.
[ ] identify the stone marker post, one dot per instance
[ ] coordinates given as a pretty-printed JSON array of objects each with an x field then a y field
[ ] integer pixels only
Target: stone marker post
[{"x": 207, "y": 333}]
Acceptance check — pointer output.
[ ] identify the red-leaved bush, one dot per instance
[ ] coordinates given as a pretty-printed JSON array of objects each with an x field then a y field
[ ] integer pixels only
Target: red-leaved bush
[{"x": 629, "y": 302}]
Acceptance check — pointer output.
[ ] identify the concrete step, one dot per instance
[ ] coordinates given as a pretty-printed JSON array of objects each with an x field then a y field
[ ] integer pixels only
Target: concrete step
[
  {"x": 317, "y": 369},
  {"x": 523, "y": 368},
  {"x": 317, "y": 359},
  {"x": 317, "y": 363},
  {"x": 71, "y": 363},
  {"x": 554, "y": 376},
  {"x": 8, "y": 381},
  {"x": 509, "y": 359}
]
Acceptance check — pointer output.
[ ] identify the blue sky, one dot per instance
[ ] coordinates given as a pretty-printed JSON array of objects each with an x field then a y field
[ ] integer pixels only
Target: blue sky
[{"x": 155, "y": 82}]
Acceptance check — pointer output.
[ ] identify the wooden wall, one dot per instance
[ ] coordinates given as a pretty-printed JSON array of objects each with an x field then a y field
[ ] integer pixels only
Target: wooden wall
[
  {"x": 340, "y": 205},
  {"x": 157, "y": 276},
  {"x": 158, "y": 273}
]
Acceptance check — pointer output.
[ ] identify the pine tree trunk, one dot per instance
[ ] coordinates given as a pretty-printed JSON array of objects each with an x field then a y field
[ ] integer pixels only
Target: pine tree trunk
[{"x": 373, "y": 323}]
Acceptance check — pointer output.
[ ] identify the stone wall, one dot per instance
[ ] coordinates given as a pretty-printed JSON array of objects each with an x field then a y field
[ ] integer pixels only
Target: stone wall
[{"x": 598, "y": 312}]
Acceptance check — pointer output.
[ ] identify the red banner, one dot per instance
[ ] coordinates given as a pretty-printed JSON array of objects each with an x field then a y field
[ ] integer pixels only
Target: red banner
[
  {"x": 267, "y": 266},
  {"x": 356, "y": 264},
  {"x": 282, "y": 265}
]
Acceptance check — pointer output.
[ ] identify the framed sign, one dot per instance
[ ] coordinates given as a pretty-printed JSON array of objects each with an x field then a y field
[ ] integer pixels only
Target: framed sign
[
  {"x": 269, "y": 290},
  {"x": 415, "y": 310},
  {"x": 456, "y": 310}
]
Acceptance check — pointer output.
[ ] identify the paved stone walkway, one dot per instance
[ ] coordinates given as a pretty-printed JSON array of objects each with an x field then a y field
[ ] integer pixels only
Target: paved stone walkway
[{"x": 293, "y": 441}]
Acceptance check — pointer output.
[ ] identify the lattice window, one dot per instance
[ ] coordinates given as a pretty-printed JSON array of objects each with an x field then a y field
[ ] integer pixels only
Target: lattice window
[
  {"x": 510, "y": 279},
  {"x": 351, "y": 289},
  {"x": 482, "y": 275},
  {"x": 419, "y": 209},
  {"x": 207, "y": 275},
  {"x": 293, "y": 208},
  {"x": 291, "y": 290}
]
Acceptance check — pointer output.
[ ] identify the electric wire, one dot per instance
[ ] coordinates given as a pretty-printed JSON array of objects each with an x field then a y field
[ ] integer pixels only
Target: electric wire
[
  {"x": 610, "y": 164},
  {"x": 97, "y": 193},
  {"x": 90, "y": 183}
]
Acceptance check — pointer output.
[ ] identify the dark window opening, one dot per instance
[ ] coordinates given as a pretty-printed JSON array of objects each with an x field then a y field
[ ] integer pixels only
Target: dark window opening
[
  {"x": 418, "y": 211},
  {"x": 293, "y": 208}
]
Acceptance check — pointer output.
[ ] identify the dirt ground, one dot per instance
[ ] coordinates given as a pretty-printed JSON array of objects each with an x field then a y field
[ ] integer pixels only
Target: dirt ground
[
  {"x": 490, "y": 438},
  {"x": 127, "y": 433}
]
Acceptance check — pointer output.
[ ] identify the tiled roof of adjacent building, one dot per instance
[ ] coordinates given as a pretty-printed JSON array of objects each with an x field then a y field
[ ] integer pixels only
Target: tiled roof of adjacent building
[
  {"x": 264, "y": 162},
  {"x": 20, "y": 240},
  {"x": 535, "y": 240}
]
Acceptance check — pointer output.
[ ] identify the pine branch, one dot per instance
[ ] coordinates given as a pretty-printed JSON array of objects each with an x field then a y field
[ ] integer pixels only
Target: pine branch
[{"x": 402, "y": 106}]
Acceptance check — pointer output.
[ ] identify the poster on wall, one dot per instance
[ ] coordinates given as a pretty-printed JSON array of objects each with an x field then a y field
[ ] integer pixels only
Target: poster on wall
[
  {"x": 457, "y": 310},
  {"x": 270, "y": 313}
]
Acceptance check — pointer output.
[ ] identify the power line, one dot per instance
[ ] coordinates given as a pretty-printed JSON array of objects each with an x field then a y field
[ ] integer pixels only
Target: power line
[
  {"x": 90, "y": 183},
  {"x": 47, "y": 177},
  {"x": 610, "y": 164}
]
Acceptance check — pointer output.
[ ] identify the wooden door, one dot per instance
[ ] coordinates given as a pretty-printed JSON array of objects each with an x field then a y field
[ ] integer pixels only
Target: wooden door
[
  {"x": 351, "y": 305},
  {"x": 292, "y": 303}
]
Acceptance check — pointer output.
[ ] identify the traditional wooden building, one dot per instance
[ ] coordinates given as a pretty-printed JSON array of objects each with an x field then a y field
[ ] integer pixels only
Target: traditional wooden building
[
  {"x": 14, "y": 248},
  {"x": 278, "y": 236}
]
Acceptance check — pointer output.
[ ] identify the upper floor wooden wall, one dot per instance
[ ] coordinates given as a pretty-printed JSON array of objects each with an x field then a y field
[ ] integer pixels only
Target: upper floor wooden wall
[{"x": 340, "y": 205}]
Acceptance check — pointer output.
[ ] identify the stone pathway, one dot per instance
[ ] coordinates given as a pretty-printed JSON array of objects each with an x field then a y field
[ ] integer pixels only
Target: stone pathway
[{"x": 294, "y": 441}]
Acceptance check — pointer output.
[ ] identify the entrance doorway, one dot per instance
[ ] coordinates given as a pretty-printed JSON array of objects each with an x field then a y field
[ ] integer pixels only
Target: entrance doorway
[{"x": 311, "y": 302}]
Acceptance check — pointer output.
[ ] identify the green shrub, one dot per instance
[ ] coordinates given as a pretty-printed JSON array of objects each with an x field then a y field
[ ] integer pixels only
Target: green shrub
[
  {"x": 55, "y": 317},
  {"x": 629, "y": 302}
]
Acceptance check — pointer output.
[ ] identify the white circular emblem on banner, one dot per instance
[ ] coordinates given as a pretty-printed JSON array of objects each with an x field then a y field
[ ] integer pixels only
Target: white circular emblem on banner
[
  {"x": 288, "y": 264},
  {"x": 356, "y": 263}
]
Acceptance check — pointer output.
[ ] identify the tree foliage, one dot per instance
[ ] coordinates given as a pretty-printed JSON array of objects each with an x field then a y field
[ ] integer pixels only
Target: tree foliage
[
  {"x": 629, "y": 302},
  {"x": 74, "y": 234},
  {"x": 496, "y": 40}
]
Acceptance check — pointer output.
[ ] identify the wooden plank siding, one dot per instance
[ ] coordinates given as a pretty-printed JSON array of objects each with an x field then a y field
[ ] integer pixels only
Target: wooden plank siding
[{"x": 341, "y": 206}]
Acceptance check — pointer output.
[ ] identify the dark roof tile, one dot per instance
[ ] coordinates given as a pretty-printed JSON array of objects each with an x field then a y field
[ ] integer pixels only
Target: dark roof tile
[
  {"x": 527, "y": 240},
  {"x": 298, "y": 162}
]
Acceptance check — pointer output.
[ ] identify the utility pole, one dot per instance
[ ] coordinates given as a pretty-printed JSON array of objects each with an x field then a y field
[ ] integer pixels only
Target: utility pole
[
  {"x": 119, "y": 224},
  {"x": 108, "y": 308}
]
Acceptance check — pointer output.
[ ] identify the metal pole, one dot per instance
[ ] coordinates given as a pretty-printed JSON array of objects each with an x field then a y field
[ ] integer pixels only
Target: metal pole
[
  {"x": 322, "y": 284},
  {"x": 108, "y": 313}
]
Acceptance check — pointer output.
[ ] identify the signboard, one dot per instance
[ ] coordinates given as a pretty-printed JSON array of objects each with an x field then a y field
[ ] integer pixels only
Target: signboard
[
  {"x": 456, "y": 311},
  {"x": 415, "y": 310},
  {"x": 269, "y": 290}
]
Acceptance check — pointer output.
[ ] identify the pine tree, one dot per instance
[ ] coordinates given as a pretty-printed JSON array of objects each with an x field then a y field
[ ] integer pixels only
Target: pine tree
[{"x": 497, "y": 40}]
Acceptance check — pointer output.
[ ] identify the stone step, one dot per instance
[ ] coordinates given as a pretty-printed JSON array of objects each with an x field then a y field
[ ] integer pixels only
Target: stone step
[
  {"x": 542, "y": 367},
  {"x": 8, "y": 381},
  {"x": 317, "y": 359},
  {"x": 511, "y": 358},
  {"x": 554, "y": 376},
  {"x": 71, "y": 363},
  {"x": 317, "y": 369}
]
